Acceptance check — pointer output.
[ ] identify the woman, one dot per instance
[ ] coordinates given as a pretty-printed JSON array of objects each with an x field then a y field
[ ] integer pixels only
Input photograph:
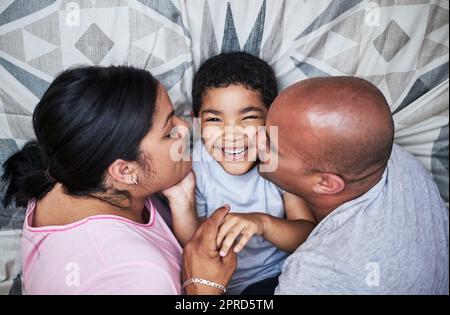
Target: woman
[{"x": 104, "y": 138}]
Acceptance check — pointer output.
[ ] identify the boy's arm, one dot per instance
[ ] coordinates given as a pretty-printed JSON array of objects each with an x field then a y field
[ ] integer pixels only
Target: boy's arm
[
  {"x": 287, "y": 235},
  {"x": 181, "y": 199}
]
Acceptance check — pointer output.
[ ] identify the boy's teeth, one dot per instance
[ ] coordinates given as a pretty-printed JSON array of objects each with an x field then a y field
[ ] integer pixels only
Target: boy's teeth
[{"x": 237, "y": 151}]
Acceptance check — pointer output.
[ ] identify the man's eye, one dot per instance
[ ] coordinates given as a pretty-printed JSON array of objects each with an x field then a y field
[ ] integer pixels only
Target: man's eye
[{"x": 213, "y": 119}]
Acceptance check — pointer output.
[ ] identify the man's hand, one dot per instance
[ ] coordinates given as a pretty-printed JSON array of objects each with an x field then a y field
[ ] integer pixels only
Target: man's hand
[
  {"x": 201, "y": 257},
  {"x": 244, "y": 225}
]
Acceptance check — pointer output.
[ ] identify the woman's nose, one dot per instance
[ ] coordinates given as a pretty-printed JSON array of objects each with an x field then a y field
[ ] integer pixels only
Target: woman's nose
[{"x": 182, "y": 126}]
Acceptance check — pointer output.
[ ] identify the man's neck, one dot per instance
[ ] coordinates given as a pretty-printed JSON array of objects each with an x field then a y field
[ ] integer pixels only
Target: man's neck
[{"x": 322, "y": 207}]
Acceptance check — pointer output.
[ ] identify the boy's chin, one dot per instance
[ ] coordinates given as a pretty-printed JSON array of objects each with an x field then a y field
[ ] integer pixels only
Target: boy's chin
[{"x": 237, "y": 168}]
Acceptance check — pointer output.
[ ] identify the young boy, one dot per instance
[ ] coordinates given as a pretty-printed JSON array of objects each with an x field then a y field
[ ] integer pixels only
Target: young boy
[{"x": 231, "y": 95}]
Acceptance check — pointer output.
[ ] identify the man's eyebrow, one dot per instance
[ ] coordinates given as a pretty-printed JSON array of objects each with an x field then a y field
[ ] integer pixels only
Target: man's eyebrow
[
  {"x": 250, "y": 109},
  {"x": 168, "y": 118},
  {"x": 211, "y": 111}
]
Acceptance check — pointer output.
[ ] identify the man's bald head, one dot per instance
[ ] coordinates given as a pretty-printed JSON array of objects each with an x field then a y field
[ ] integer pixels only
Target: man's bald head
[{"x": 339, "y": 125}]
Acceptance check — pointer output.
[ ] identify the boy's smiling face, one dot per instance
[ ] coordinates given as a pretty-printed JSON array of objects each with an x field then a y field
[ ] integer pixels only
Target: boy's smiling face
[{"x": 230, "y": 117}]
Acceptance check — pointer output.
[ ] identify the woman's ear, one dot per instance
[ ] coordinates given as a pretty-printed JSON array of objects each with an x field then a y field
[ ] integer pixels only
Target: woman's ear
[
  {"x": 123, "y": 171},
  {"x": 329, "y": 184}
]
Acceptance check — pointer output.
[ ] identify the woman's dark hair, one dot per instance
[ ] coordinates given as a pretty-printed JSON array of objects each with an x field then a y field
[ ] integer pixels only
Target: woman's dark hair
[
  {"x": 235, "y": 68},
  {"x": 88, "y": 118}
]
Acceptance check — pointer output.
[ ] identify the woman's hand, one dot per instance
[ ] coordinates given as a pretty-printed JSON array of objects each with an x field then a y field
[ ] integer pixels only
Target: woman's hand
[
  {"x": 244, "y": 225},
  {"x": 201, "y": 257}
]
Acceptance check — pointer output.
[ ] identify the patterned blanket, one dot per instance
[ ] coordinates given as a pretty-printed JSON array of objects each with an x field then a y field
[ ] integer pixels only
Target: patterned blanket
[{"x": 399, "y": 45}]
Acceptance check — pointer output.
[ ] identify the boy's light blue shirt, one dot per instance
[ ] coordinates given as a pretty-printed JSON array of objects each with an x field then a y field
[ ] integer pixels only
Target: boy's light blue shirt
[{"x": 245, "y": 194}]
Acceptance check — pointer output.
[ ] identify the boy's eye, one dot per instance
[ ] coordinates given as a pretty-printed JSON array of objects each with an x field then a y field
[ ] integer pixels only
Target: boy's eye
[
  {"x": 251, "y": 117},
  {"x": 213, "y": 119}
]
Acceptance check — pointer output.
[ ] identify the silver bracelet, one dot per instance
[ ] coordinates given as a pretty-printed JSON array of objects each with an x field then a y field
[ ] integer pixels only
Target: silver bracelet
[{"x": 205, "y": 282}]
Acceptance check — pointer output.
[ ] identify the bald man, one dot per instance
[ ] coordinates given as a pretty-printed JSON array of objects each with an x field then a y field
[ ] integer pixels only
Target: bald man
[{"x": 383, "y": 227}]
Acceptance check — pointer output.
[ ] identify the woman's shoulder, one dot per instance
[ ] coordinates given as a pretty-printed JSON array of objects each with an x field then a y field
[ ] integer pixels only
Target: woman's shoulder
[
  {"x": 92, "y": 237},
  {"x": 101, "y": 251},
  {"x": 104, "y": 257}
]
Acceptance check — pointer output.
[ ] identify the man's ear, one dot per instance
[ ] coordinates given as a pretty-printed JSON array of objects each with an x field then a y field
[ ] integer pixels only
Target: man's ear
[
  {"x": 329, "y": 184},
  {"x": 122, "y": 171}
]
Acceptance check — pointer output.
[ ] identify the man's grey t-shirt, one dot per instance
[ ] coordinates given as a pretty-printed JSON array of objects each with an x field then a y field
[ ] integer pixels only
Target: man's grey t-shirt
[
  {"x": 245, "y": 194},
  {"x": 391, "y": 240}
]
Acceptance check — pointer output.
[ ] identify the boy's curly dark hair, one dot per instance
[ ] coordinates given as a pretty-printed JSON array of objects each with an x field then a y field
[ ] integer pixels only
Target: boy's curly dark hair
[{"x": 234, "y": 68}]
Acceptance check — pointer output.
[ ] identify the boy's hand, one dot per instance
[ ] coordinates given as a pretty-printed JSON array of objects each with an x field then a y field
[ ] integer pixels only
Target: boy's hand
[
  {"x": 181, "y": 199},
  {"x": 244, "y": 225},
  {"x": 183, "y": 192}
]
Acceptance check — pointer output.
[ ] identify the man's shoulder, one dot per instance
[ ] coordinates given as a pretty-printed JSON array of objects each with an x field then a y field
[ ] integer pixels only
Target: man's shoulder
[
  {"x": 409, "y": 180},
  {"x": 405, "y": 161},
  {"x": 378, "y": 230},
  {"x": 392, "y": 209}
]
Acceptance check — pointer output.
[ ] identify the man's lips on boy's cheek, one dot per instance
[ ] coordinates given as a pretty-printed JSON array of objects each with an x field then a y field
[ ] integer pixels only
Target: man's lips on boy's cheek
[{"x": 264, "y": 150}]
